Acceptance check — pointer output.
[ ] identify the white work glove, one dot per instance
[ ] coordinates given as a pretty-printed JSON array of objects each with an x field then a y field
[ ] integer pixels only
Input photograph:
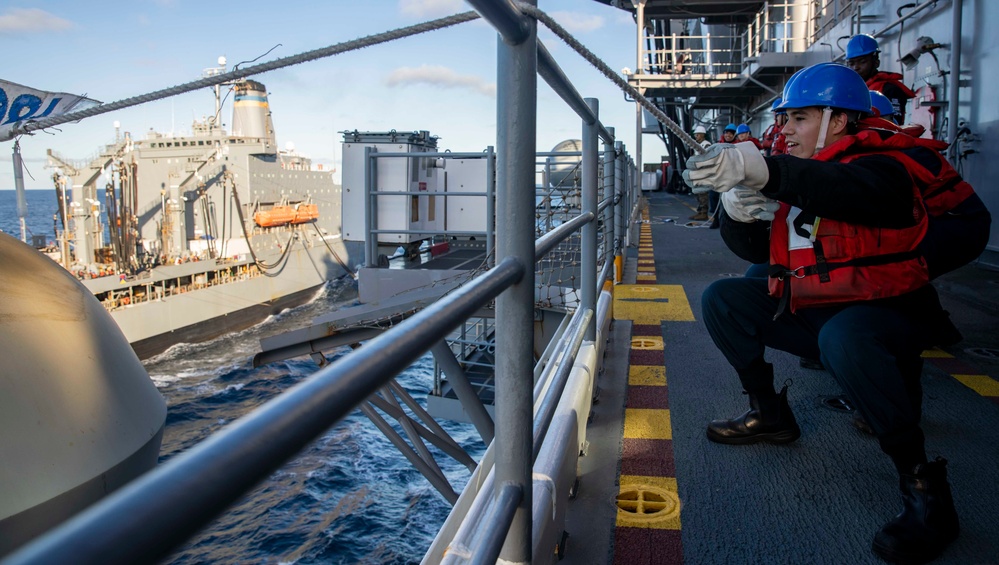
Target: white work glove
[
  {"x": 724, "y": 165},
  {"x": 747, "y": 205}
]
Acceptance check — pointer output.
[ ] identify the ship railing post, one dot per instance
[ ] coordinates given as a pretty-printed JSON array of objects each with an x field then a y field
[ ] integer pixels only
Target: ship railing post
[
  {"x": 370, "y": 209},
  {"x": 516, "y": 141},
  {"x": 491, "y": 206},
  {"x": 588, "y": 271},
  {"x": 619, "y": 211},
  {"x": 610, "y": 211}
]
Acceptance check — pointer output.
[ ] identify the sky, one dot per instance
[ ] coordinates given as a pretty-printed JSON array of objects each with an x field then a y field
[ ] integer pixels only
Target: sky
[{"x": 442, "y": 81}]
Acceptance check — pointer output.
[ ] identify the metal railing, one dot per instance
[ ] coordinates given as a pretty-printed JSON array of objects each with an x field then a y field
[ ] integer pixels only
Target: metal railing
[{"x": 157, "y": 512}]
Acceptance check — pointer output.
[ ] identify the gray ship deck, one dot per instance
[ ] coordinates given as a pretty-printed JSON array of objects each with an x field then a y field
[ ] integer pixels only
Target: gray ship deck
[{"x": 819, "y": 500}]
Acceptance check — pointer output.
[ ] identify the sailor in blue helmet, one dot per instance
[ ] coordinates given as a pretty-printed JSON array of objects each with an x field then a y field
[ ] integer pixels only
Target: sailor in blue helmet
[
  {"x": 728, "y": 134},
  {"x": 862, "y": 55},
  {"x": 838, "y": 221},
  {"x": 883, "y": 106},
  {"x": 743, "y": 133}
]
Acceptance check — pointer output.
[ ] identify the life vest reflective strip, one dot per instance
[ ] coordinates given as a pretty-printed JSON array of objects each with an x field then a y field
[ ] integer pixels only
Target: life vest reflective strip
[{"x": 825, "y": 261}]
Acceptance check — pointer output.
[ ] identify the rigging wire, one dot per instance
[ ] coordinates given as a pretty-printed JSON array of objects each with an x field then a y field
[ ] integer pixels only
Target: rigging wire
[
  {"x": 232, "y": 87},
  {"x": 322, "y": 237},
  {"x": 367, "y": 41},
  {"x": 235, "y": 74},
  {"x": 601, "y": 66}
]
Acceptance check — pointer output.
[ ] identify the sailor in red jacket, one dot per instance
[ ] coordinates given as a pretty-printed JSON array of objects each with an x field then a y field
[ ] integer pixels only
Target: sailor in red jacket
[
  {"x": 772, "y": 140},
  {"x": 862, "y": 56},
  {"x": 743, "y": 133},
  {"x": 845, "y": 203}
]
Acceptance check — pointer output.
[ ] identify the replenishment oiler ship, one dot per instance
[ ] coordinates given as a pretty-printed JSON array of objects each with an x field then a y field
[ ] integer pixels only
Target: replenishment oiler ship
[{"x": 199, "y": 234}]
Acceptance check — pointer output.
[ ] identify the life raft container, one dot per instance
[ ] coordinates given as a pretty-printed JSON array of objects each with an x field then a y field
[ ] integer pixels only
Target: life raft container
[
  {"x": 306, "y": 213},
  {"x": 281, "y": 215}
]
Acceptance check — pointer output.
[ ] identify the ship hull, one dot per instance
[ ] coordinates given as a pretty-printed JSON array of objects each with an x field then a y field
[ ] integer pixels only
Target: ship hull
[
  {"x": 202, "y": 313},
  {"x": 236, "y": 320}
]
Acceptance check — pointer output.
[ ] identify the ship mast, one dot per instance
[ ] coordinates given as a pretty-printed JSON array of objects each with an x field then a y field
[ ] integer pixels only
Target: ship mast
[{"x": 211, "y": 72}]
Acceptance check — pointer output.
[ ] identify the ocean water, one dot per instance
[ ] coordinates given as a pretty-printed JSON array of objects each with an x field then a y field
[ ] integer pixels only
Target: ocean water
[
  {"x": 350, "y": 497},
  {"x": 42, "y": 206}
]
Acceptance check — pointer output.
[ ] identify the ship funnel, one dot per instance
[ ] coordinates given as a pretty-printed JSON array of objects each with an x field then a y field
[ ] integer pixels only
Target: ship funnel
[{"x": 251, "y": 115}]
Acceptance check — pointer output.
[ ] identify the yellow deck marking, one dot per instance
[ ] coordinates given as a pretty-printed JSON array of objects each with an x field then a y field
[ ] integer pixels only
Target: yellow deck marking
[
  {"x": 666, "y": 302},
  {"x": 646, "y": 375},
  {"x": 982, "y": 384},
  {"x": 937, "y": 353},
  {"x": 647, "y": 423},
  {"x": 668, "y": 518}
]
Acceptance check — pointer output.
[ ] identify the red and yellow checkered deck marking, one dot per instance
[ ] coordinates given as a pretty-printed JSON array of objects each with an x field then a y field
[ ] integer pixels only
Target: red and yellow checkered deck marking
[{"x": 648, "y": 518}]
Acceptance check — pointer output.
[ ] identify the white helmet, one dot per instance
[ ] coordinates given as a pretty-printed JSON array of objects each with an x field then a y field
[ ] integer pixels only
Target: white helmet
[{"x": 700, "y": 129}]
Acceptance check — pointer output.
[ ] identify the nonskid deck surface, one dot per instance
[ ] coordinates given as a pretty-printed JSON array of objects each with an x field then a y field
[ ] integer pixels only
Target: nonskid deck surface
[{"x": 818, "y": 500}]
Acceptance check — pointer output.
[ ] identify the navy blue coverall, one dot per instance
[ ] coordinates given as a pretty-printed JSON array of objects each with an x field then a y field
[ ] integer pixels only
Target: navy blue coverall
[{"x": 872, "y": 348}]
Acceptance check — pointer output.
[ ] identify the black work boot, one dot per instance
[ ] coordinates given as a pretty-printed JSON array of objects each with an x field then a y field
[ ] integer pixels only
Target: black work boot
[
  {"x": 769, "y": 419},
  {"x": 928, "y": 522}
]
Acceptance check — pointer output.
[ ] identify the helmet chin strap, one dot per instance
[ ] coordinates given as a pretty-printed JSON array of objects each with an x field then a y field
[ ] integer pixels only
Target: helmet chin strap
[{"x": 823, "y": 129}]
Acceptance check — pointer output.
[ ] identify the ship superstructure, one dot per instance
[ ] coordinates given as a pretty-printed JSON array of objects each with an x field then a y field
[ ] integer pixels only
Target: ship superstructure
[{"x": 224, "y": 215}]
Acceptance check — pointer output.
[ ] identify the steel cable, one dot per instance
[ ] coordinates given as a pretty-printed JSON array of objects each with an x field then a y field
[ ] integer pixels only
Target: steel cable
[
  {"x": 609, "y": 73},
  {"x": 235, "y": 74}
]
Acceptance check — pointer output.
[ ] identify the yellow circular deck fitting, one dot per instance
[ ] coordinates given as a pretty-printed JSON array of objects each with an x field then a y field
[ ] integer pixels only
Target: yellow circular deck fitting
[
  {"x": 647, "y": 342},
  {"x": 644, "y": 289},
  {"x": 646, "y": 503}
]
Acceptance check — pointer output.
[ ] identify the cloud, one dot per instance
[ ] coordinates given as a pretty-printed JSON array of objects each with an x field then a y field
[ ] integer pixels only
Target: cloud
[
  {"x": 578, "y": 23},
  {"x": 31, "y": 20},
  {"x": 432, "y": 8},
  {"x": 439, "y": 76}
]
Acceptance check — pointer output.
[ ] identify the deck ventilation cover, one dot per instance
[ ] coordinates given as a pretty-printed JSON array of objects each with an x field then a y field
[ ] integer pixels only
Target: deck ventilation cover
[{"x": 646, "y": 503}]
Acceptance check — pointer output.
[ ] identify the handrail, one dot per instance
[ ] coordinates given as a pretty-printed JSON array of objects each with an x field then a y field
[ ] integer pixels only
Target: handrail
[
  {"x": 544, "y": 244},
  {"x": 553, "y": 75},
  {"x": 501, "y": 515},
  {"x": 574, "y": 340},
  {"x": 169, "y": 504}
]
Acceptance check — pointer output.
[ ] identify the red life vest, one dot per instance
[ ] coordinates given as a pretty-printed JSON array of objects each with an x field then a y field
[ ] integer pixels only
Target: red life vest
[
  {"x": 879, "y": 80},
  {"x": 820, "y": 262},
  {"x": 780, "y": 145},
  {"x": 941, "y": 191},
  {"x": 767, "y": 139},
  {"x": 774, "y": 140}
]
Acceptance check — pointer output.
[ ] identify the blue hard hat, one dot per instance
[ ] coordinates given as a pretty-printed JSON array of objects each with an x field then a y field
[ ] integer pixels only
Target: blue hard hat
[
  {"x": 743, "y": 128},
  {"x": 883, "y": 105},
  {"x": 730, "y": 127},
  {"x": 774, "y": 106},
  {"x": 860, "y": 45},
  {"x": 827, "y": 84}
]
